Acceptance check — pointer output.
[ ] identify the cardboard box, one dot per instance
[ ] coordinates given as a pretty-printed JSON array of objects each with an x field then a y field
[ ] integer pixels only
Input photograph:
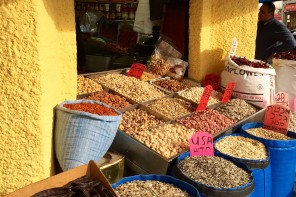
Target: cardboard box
[{"x": 62, "y": 179}]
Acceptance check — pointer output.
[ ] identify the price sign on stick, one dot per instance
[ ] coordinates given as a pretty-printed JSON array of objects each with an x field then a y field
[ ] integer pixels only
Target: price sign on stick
[
  {"x": 201, "y": 144},
  {"x": 277, "y": 118},
  {"x": 282, "y": 98},
  {"x": 136, "y": 70},
  {"x": 228, "y": 92},
  {"x": 233, "y": 46},
  {"x": 213, "y": 80},
  {"x": 203, "y": 102}
]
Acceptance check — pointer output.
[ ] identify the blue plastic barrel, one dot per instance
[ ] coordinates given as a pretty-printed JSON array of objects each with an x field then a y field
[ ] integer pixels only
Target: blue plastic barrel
[
  {"x": 191, "y": 190},
  {"x": 282, "y": 161},
  {"x": 260, "y": 169},
  {"x": 209, "y": 191}
]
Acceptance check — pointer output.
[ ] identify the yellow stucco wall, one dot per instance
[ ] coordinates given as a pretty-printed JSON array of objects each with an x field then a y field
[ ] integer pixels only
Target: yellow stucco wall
[
  {"x": 212, "y": 26},
  {"x": 38, "y": 71}
]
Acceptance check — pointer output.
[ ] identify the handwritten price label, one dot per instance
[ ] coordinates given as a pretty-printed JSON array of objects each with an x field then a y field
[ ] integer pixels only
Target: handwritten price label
[
  {"x": 136, "y": 70},
  {"x": 213, "y": 80},
  {"x": 201, "y": 144},
  {"x": 228, "y": 92},
  {"x": 282, "y": 98},
  {"x": 277, "y": 118},
  {"x": 203, "y": 102}
]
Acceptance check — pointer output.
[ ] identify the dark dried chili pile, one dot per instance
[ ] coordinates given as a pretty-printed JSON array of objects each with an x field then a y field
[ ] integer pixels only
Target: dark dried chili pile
[
  {"x": 91, "y": 108},
  {"x": 84, "y": 186}
]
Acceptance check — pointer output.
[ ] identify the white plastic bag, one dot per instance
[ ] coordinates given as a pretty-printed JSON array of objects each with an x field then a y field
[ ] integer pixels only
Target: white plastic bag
[{"x": 285, "y": 80}]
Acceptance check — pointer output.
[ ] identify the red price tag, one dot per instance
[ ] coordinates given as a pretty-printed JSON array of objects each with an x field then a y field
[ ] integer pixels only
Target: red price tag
[
  {"x": 136, "y": 70},
  {"x": 282, "y": 98},
  {"x": 213, "y": 80},
  {"x": 277, "y": 118},
  {"x": 228, "y": 92},
  {"x": 201, "y": 144},
  {"x": 203, "y": 102}
]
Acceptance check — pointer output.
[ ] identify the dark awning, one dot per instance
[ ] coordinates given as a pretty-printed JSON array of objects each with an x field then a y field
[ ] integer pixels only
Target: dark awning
[{"x": 262, "y": 1}]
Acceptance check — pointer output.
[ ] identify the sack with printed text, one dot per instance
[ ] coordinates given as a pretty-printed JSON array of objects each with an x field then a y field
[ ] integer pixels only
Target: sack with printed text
[{"x": 254, "y": 79}]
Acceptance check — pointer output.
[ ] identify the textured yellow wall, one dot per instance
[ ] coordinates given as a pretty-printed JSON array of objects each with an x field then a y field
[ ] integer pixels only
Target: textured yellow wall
[
  {"x": 38, "y": 71},
  {"x": 212, "y": 26}
]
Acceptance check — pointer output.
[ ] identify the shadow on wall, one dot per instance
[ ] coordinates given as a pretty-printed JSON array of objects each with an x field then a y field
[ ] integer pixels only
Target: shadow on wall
[{"x": 56, "y": 10}]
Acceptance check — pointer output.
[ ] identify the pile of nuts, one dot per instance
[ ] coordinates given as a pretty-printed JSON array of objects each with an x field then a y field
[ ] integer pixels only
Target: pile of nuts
[
  {"x": 147, "y": 76},
  {"x": 137, "y": 120},
  {"x": 86, "y": 85},
  {"x": 267, "y": 134},
  {"x": 292, "y": 123},
  {"x": 168, "y": 140},
  {"x": 149, "y": 188},
  {"x": 171, "y": 107},
  {"x": 214, "y": 172},
  {"x": 242, "y": 147},
  {"x": 194, "y": 94},
  {"x": 236, "y": 109},
  {"x": 91, "y": 108},
  {"x": 158, "y": 66},
  {"x": 130, "y": 87},
  {"x": 113, "y": 100},
  {"x": 208, "y": 120},
  {"x": 172, "y": 85}
]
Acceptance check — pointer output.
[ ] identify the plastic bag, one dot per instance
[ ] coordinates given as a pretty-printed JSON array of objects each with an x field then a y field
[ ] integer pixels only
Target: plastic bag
[
  {"x": 89, "y": 21},
  {"x": 178, "y": 68},
  {"x": 164, "y": 49}
]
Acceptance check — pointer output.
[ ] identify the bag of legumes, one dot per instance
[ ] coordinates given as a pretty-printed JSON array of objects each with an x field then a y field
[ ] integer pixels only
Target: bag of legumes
[{"x": 254, "y": 79}]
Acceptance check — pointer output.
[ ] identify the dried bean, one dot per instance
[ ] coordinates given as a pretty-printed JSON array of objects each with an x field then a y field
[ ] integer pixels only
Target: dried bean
[
  {"x": 267, "y": 134},
  {"x": 236, "y": 109},
  {"x": 292, "y": 123},
  {"x": 91, "y": 108},
  {"x": 172, "y": 85},
  {"x": 171, "y": 107},
  {"x": 208, "y": 120},
  {"x": 168, "y": 139},
  {"x": 149, "y": 188},
  {"x": 130, "y": 87},
  {"x": 194, "y": 94},
  {"x": 137, "y": 120},
  {"x": 86, "y": 85},
  {"x": 242, "y": 147},
  {"x": 113, "y": 100},
  {"x": 214, "y": 171}
]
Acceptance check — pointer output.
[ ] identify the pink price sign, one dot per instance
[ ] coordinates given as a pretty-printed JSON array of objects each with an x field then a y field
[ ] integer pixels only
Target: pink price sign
[
  {"x": 282, "y": 98},
  {"x": 212, "y": 80},
  {"x": 228, "y": 92},
  {"x": 201, "y": 144},
  {"x": 294, "y": 105},
  {"x": 136, "y": 70},
  {"x": 203, "y": 102},
  {"x": 277, "y": 118}
]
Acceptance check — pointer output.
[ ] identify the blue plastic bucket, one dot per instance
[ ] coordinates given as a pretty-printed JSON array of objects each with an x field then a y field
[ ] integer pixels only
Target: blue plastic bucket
[
  {"x": 192, "y": 191},
  {"x": 282, "y": 161},
  {"x": 260, "y": 169},
  {"x": 209, "y": 191}
]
